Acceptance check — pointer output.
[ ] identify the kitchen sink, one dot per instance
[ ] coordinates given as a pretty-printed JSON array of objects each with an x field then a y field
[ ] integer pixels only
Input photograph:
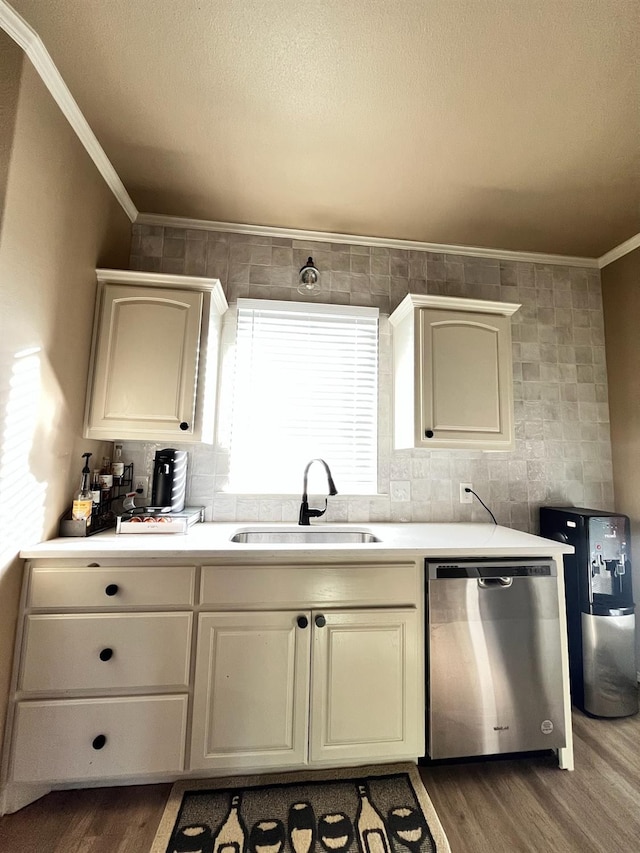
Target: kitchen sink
[{"x": 302, "y": 536}]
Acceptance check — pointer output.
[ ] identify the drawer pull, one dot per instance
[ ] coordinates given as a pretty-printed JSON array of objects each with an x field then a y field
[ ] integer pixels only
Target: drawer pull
[
  {"x": 320, "y": 621},
  {"x": 111, "y": 589},
  {"x": 99, "y": 741},
  {"x": 106, "y": 654},
  {"x": 93, "y": 565},
  {"x": 302, "y": 621}
]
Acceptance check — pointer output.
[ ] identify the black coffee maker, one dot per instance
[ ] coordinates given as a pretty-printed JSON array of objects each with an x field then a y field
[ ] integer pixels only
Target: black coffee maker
[{"x": 169, "y": 479}]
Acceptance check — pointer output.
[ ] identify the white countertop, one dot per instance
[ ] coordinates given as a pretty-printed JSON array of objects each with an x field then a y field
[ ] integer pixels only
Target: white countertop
[{"x": 212, "y": 541}]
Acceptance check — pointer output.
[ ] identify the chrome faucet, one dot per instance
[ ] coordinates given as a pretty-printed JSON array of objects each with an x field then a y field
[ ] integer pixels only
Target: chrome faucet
[{"x": 305, "y": 512}]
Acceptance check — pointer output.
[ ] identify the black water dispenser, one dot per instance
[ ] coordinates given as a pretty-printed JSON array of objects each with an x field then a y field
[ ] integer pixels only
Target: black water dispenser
[{"x": 600, "y": 608}]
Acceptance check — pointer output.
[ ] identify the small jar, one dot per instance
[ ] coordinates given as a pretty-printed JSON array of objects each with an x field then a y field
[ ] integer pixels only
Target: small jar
[{"x": 106, "y": 479}]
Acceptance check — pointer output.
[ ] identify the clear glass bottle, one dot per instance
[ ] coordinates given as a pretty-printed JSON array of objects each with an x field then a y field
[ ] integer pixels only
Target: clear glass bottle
[
  {"x": 117, "y": 467},
  {"x": 96, "y": 491},
  {"x": 83, "y": 501}
]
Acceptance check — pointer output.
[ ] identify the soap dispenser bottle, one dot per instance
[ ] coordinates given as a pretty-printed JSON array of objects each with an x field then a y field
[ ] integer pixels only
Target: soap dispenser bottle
[{"x": 83, "y": 502}]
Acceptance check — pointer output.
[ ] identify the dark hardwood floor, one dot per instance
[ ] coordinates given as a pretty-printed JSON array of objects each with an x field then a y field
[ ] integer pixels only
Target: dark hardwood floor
[
  {"x": 524, "y": 805},
  {"x": 90, "y": 820},
  {"x": 528, "y": 805}
]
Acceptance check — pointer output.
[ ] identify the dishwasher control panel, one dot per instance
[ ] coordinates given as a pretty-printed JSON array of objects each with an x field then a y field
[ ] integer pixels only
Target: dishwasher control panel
[{"x": 487, "y": 568}]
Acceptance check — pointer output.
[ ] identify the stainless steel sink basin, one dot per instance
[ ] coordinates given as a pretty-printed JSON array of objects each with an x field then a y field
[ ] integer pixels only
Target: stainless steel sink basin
[{"x": 302, "y": 536}]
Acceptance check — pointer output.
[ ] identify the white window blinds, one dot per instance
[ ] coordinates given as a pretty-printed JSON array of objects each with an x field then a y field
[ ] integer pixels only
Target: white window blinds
[{"x": 305, "y": 386}]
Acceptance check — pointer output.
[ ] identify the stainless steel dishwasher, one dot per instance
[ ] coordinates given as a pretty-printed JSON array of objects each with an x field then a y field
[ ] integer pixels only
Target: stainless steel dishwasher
[{"x": 494, "y": 665}]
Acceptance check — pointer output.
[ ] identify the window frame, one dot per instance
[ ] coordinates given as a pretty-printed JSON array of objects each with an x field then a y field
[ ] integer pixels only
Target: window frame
[{"x": 225, "y": 480}]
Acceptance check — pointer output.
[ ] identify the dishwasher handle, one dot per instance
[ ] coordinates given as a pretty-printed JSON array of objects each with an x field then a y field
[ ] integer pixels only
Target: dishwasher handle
[{"x": 491, "y": 583}]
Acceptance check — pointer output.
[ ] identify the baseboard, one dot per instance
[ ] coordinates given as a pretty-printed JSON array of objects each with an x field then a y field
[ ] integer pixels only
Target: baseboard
[{"x": 15, "y": 796}]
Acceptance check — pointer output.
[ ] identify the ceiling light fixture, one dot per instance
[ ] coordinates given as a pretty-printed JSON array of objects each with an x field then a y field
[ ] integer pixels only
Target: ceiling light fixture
[{"x": 309, "y": 279}]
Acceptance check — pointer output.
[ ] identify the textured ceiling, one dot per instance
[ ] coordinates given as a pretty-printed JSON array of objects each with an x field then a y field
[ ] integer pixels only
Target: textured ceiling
[{"x": 510, "y": 124}]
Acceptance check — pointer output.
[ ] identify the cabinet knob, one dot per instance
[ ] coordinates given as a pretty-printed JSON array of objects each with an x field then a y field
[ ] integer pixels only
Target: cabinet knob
[
  {"x": 111, "y": 589},
  {"x": 184, "y": 425},
  {"x": 320, "y": 620},
  {"x": 106, "y": 654},
  {"x": 99, "y": 741},
  {"x": 302, "y": 621},
  {"x": 428, "y": 433}
]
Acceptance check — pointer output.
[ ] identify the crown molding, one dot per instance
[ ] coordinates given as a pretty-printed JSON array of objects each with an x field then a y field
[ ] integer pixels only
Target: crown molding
[
  {"x": 356, "y": 240},
  {"x": 28, "y": 39},
  {"x": 452, "y": 303},
  {"x": 155, "y": 279},
  {"x": 619, "y": 251}
]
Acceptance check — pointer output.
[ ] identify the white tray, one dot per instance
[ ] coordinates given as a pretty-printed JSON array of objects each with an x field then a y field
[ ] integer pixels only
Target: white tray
[
  {"x": 151, "y": 524},
  {"x": 178, "y": 522}
]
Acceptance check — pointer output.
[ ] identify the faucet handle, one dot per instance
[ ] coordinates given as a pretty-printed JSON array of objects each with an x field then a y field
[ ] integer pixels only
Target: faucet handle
[{"x": 306, "y": 513}]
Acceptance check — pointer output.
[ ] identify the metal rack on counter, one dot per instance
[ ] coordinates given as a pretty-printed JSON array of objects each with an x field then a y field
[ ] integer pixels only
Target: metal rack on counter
[{"x": 103, "y": 516}]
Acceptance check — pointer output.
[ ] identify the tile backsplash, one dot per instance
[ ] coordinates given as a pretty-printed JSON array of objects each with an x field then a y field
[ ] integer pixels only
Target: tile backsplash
[{"x": 563, "y": 449}]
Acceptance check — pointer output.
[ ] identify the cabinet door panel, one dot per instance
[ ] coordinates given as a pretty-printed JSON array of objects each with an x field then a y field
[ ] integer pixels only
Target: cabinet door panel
[
  {"x": 145, "y": 362},
  {"x": 466, "y": 382},
  {"x": 366, "y": 690},
  {"x": 251, "y": 691},
  {"x": 465, "y": 378}
]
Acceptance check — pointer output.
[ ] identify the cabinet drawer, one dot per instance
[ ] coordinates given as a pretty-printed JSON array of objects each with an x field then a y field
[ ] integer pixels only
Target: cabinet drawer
[
  {"x": 288, "y": 587},
  {"x": 106, "y": 651},
  {"x": 60, "y": 741},
  {"x": 124, "y": 586}
]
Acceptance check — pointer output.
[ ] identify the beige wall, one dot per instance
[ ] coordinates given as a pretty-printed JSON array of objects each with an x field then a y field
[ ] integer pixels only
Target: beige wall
[
  {"x": 59, "y": 222},
  {"x": 621, "y": 300},
  {"x": 10, "y": 67}
]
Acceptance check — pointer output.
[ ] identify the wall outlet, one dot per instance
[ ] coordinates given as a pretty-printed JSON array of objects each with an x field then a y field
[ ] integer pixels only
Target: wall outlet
[
  {"x": 466, "y": 497},
  {"x": 141, "y": 487}
]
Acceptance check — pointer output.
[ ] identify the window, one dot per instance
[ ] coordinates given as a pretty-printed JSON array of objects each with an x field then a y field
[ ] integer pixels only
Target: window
[{"x": 305, "y": 386}]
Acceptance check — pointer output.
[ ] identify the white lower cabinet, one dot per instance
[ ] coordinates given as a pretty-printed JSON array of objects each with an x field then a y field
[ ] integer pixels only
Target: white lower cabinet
[
  {"x": 251, "y": 691},
  {"x": 63, "y": 587},
  {"x": 106, "y": 650},
  {"x": 82, "y": 739},
  {"x": 295, "y": 664},
  {"x": 365, "y": 686},
  {"x": 103, "y": 673},
  {"x": 278, "y": 689}
]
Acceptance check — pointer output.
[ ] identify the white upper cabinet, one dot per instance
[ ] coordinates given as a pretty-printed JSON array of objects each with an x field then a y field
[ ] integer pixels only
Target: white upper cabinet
[
  {"x": 154, "y": 357},
  {"x": 453, "y": 383}
]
